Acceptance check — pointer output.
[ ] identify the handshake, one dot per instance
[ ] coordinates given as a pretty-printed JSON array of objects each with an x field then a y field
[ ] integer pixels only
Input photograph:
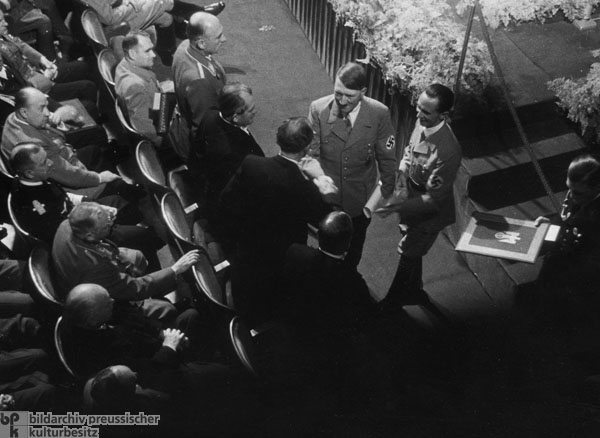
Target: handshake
[{"x": 313, "y": 170}]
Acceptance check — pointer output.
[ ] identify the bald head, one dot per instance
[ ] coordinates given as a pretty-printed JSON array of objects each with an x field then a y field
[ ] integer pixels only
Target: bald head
[
  {"x": 31, "y": 105},
  {"x": 25, "y": 95},
  {"x": 205, "y": 32},
  {"x": 88, "y": 306},
  {"x": 113, "y": 388},
  {"x": 294, "y": 135},
  {"x": 335, "y": 233}
]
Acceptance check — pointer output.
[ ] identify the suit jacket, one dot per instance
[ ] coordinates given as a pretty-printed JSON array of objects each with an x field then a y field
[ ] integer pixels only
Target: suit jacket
[
  {"x": 40, "y": 208},
  {"x": 217, "y": 151},
  {"x": 77, "y": 261},
  {"x": 139, "y": 349},
  {"x": 267, "y": 205},
  {"x": 324, "y": 296},
  {"x": 354, "y": 160},
  {"x": 137, "y": 86},
  {"x": 438, "y": 155},
  {"x": 23, "y": 60},
  {"x": 197, "y": 83},
  {"x": 67, "y": 169}
]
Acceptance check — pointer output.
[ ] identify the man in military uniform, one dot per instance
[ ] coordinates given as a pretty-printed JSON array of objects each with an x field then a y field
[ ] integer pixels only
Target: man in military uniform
[
  {"x": 425, "y": 181},
  {"x": 568, "y": 282},
  {"x": 82, "y": 253},
  {"x": 354, "y": 139},
  {"x": 197, "y": 75}
]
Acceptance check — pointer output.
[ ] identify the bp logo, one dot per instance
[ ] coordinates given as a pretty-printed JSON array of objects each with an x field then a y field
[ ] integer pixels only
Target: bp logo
[{"x": 13, "y": 424}]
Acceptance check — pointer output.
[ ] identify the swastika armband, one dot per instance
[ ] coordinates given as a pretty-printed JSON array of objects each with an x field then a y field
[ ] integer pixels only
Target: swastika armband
[{"x": 390, "y": 143}]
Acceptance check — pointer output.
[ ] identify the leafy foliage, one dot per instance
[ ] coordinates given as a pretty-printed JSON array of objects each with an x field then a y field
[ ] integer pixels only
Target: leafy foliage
[
  {"x": 416, "y": 43},
  {"x": 581, "y": 99},
  {"x": 505, "y": 12}
]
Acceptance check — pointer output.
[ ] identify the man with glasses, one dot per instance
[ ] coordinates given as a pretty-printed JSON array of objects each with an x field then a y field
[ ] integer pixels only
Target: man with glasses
[
  {"x": 354, "y": 142},
  {"x": 223, "y": 141}
]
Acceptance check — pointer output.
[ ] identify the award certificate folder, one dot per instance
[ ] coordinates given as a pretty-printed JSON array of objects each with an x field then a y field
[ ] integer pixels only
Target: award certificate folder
[{"x": 498, "y": 236}]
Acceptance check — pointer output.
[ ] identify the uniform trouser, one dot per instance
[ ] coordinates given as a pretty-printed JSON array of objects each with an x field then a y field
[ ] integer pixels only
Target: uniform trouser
[{"x": 408, "y": 281}]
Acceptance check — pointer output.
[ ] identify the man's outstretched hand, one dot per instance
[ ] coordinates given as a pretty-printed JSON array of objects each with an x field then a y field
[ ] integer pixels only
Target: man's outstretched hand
[{"x": 186, "y": 262}]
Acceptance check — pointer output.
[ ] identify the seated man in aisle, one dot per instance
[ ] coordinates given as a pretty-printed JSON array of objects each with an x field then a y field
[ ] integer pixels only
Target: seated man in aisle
[
  {"x": 202, "y": 392},
  {"x": 68, "y": 80},
  {"x": 43, "y": 18},
  {"x": 40, "y": 205},
  {"x": 139, "y": 15},
  {"x": 265, "y": 208},
  {"x": 23, "y": 383},
  {"x": 12, "y": 281},
  {"x": 82, "y": 254},
  {"x": 31, "y": 123},
  {"x": 222, "y": 143},
  {"x": 136, "y": 83}
]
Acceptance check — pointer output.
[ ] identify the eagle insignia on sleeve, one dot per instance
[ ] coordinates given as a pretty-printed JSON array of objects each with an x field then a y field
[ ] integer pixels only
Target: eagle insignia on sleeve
[{"x": 390, "y": 143}]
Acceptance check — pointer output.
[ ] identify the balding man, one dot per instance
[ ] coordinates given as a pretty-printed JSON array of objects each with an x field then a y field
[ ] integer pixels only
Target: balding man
[
  {"x": 31, "y": 123},
  {"x": 83, "y": 254},
  {"x": 266, "y": 207},
  {"x": 89, "y": 307},
  {"x": 332, "y": 295},
  {"x": 201, "y": 391},
  {"x": 330, "y": 313},
  {"x": 198, "y": 76}
]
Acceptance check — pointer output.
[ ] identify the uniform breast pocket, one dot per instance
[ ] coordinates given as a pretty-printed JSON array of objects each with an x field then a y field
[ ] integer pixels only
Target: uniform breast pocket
[{"x": 367, "y": 153}]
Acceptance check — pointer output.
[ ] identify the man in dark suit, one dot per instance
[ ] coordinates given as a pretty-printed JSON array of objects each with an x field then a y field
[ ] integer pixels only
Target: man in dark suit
[
  {"x": 354, "y": 142},
  {"x": 330, "y": 313},
  {"x": 266, "y": 207},
  {"x": 320, "y": 288},
  {"x": 203, "y": 393},
  {"x": 223, "y": 141}
]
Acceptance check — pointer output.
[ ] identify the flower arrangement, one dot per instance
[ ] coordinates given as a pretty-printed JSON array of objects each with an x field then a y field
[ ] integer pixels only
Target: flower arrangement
[
  {"x": 504, "y": 12},
  {"x": 581, "y": 99},
  {"x": 416, "y": 43}
]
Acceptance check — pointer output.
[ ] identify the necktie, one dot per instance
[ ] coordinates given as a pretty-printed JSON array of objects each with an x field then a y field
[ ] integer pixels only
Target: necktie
[
  {"x": 216, "y": 67},
  {"x": 347, "y": 123},
  {"x": 422, "y": 138}
]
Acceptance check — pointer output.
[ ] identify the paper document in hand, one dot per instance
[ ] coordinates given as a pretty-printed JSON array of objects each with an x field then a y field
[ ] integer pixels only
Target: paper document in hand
[{"x": 376, "y": 201}]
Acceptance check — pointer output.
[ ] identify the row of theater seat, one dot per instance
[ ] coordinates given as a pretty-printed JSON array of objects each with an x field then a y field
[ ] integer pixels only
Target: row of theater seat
[{"x": 175, "y": 203}]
